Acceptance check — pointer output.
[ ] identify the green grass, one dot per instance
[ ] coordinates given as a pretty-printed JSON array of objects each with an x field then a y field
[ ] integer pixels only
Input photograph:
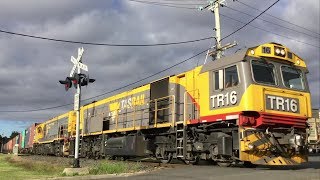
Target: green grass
[
  {"x": 10, "y": 171},
  {"x": 36, "y": 166},
  {"x": 116, "y": 168},
  {"x": 12, "y": 168}
]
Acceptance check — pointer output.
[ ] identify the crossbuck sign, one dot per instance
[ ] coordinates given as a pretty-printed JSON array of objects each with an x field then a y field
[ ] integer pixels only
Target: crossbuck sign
[{"x": 77, "y": 62}]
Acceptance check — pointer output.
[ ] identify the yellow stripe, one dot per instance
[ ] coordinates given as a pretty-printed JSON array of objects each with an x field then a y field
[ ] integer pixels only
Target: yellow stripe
[
  {"x": 45, "y": 142},
  {"x": 130, "y": 129},
  {"x": 118, "y": 96}
]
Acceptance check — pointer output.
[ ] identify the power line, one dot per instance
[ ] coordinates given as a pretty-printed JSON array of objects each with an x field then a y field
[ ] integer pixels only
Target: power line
[
  {"x": 251, "y": 20},
  {"x": 258, "y": 27},
  {"x": 54, "y": 107},
  {"x": 103, "y": 44},
  {"x": 166, "y": 3},
  {"x": 272, "y": 22},
  {"x": 277, "y": 17},
  {"x": 270, "y": 31},
  {"x": 162, "y": 4},
  {"x": 40, "y": 109}
]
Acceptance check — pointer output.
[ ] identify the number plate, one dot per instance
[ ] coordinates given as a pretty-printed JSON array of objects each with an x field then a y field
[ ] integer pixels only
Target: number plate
[{"x": 280, "y": 103}]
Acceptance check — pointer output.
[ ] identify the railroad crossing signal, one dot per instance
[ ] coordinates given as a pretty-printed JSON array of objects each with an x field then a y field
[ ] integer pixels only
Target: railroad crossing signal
[{"x": 78, "y": 80}]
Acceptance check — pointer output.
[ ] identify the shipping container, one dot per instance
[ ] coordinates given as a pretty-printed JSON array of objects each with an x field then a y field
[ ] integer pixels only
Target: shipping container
[
  {"x": 29, "y": 137},
  {"x": 22, "y": 139},
  {"x": 8, "y": 147}
]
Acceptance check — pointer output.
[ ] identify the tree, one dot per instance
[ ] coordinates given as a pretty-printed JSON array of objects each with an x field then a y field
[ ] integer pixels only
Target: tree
[{"x": 14, "y": 134}]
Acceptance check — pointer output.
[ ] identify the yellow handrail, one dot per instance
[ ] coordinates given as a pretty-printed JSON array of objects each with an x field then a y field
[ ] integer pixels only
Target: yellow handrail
[
  {"x": 172, "y": 103},
  {"x": 171, "y": 106},
  {"x": 186, "y": 103}
]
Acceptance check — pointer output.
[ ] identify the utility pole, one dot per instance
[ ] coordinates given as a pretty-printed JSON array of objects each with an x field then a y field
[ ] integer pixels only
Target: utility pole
[
  {"x": 215, "y": 10},
  {"x": 214, "y": 7},
  {"x": 78, "y": 80}
]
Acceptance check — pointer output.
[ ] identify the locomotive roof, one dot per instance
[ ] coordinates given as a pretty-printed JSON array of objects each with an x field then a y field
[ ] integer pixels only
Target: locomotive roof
[
  {"x": 258, "y": 52},
  {"x": 224, "y": 61}
]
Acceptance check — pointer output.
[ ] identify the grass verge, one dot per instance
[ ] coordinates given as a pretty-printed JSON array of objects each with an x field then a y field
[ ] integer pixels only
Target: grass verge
[
  {"x": 36, "y": 166},
  {"x": 116, "y": 168},
  {"x": 10, "y": 171},
  {"x": 24, "y": 167}
]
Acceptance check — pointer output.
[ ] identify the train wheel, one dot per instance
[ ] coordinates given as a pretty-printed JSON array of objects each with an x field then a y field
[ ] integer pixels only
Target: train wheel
[
  {"x": 167, "y": 159},
  {"x": 224, "y": 164},
  {"x": 192, "y": 162},
  {"x": 163, "y": 155}
]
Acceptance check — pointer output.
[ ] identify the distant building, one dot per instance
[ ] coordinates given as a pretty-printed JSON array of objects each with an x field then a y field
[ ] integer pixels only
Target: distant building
[
  {"x": 315, "y": 113},
  {"x": 314, "y": 132}
]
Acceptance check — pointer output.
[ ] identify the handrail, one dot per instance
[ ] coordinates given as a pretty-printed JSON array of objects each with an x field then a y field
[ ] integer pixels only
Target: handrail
[
  {"x": 185, "y": 103},
  {"x": 171, "y": 105}
]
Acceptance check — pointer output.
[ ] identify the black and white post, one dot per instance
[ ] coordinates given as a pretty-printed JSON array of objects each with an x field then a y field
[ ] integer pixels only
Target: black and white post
[
  {"x": 77, "y": 97},
  {"x": 77, "y": 79}
]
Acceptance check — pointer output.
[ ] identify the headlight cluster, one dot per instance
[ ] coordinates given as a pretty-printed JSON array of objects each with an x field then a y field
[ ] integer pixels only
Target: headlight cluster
[{"x": 279, "y": 51}]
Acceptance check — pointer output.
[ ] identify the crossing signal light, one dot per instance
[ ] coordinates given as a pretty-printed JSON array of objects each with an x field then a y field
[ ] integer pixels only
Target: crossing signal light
[
  {"x": 86, "y": 80},
  {"x": 81, "y": 79},
  {"x": 77, "y": 79},
  {"x": 67, "y": 83}
]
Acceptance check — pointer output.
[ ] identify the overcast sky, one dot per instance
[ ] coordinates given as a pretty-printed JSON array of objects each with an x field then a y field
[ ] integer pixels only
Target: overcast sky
[{"x": 30, "y": 68}]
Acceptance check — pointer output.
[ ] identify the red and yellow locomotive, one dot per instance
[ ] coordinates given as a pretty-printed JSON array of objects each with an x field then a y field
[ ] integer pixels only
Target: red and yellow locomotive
[{"x": 249, "y": 107}]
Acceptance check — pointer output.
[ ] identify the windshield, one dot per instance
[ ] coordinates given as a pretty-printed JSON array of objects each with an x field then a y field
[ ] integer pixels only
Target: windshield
[
  {"x": 263, "y": 72},
  {"x": 292, "y": 77}
]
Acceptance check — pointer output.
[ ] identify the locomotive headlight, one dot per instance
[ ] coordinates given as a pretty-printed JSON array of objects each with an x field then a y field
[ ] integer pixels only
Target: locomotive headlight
[
  {"x": 250, "y": 146},
  {"x": 282, "y": 52},
  {"x": 252, "y": 52},
  {"x": 296, "y": 140},
  {"x": 278, "y": 51},
  {"x": 299, "y": 140}
]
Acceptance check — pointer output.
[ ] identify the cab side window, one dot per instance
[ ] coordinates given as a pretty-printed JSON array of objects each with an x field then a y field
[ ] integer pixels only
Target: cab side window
[
  {"x": 231, "y": 77},
  {"x": 216, "y": 80}
]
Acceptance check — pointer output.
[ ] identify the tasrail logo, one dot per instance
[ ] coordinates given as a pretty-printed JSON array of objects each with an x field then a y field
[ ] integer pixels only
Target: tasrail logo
[
  {"x": 132, "y": 101},
  {"x": 125, "y": 104}
]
